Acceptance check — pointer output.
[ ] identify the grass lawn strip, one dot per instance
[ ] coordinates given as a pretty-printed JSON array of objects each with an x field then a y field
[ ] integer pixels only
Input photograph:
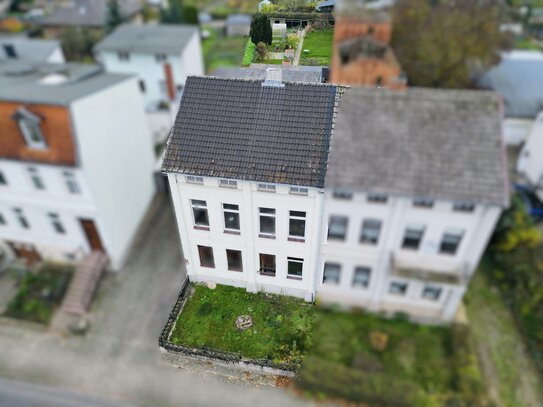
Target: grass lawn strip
[{"x": 319, "y": 45}]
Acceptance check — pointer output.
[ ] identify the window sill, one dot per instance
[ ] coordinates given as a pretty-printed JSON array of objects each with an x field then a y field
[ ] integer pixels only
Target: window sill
[
  {"x": 267, "y": 236},
  {"x": 294, "y": 278},
  {"x": 196, "y": 227},
  {"x": 236, "y": 270},
  {"x": 267, "y": 274},
  {"x": 296, "y": 239},
  {"x": 232, "y": 232},
  {"x": 207, "y": 267},
  {"x": 335, "y": 239},
  {"x": 368, "y": 243}
]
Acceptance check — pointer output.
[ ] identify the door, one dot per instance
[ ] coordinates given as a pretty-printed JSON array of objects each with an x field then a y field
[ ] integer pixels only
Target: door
[
  {"x": 26, "y": 252},
  {"x": 91, "y": 232}
]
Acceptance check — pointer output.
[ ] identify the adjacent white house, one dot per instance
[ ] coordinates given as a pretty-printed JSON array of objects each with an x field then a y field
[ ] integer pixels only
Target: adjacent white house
[
  {"x": 75, "y": 149},
  {"x": 364, "y": 197},
  {"x": 530, "y": 161},
  {"x": 162, "y": 56},
  {"x": 30, "y": 49}
]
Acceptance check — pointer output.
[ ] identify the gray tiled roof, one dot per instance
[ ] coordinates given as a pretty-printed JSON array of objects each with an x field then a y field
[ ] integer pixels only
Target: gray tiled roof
[
  {"x": 158, "y": 38},
  {"x": 420, "y": 143},
  {"x": 307, "y": 74},
  {"x": 233, "y": 128}
]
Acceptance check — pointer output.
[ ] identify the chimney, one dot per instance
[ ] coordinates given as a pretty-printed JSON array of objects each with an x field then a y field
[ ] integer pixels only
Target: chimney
[{"x": 274, "y": 78}]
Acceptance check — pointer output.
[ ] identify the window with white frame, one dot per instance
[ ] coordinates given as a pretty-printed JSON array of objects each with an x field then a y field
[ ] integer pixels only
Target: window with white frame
[
  {"x": 2, "y": 219},
  {"x": 266, "y": 187},
  {"x": 342, "y": 194},
  {"x": 29, "y": 124},
  {"x": 71, "y": 183},
  {"x": 463, "y": 207},
  {"x": 451, "y": 241},
  {"x": 199, "y": 210},
  {"x": 397, "y": 288},
  {"x": 160, "y": 57},
  {"x": 377, "y": 198},
  {"x": 298, "y": 191},
  {"x": 228, "y": 183},
  {"x": 296, "y": 227},
  {"x": 295, "y": 268},
  {"x": 57, "y": 224},
  {"x": 36, "y": 178},
  {"x": 331, "y": 274},
  {"x": 431, "y": 292},
  {"x": 231, "y": 217},
  {"x": 233, "y": 258},
  {"x": 413, "y": 237},
  {"x": 337, "y": 227},
  {"x": 423, "y": 203},
  {"x": 191, "y": 179},
  {"x": 23, "y": 222},
  {"x": 123, "y": 56},
  {"x": 371, "y": 229},
  {"x": 206, "y": 256},
  {"x": 267, "y": 221},
  {"x": 2, "y": 179},
  {"x": 267, "y": 264},
  {"x": 361, "y": 277}
]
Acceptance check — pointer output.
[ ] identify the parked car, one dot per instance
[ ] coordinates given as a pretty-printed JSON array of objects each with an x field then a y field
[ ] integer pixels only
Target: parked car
[{"x": 531, "y": 202}]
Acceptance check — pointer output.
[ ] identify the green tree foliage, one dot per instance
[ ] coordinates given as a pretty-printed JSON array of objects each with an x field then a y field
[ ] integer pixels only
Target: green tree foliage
[
  {"x": 439, "y": 43},
  {"x": 261, "y": 30},
  {"x": 261, "y": 51},
  {"x": 293, "y": 6},
  {"x": 190, "y": 15},
  {"x": 173, "y": 14},
  {"x": 77, "y": 44},
  {"x": 114, "y": 15}
]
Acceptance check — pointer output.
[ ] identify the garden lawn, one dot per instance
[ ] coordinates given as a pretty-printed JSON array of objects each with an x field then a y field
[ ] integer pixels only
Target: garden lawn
[
  {"x": 39, "y": 294},
  {"x": 367, "y": 359},
  {"x": 281, "y": 328},
  {"x": 222, "y": 51},
  {"x": 319, "y": 44}
]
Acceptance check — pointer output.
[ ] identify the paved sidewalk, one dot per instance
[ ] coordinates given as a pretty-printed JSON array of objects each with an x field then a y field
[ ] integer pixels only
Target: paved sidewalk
[
  {"x": 119, "y": 358},
  {"x": 299, "y": 49}
]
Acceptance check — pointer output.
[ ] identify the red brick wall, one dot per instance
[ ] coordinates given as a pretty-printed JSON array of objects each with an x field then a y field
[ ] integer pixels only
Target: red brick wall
[
  {"x": 350, "y": 27},
  {"x": 55, "y": 126}
]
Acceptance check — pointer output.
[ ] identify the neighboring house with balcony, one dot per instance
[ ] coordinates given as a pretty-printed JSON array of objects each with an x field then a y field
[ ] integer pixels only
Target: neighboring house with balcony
[
  {"x": 74, "y": 151},
  {"x": 162, "y": 56},
  {"x": 16, "y": 47},
  {"x": 364, "y": 197}
]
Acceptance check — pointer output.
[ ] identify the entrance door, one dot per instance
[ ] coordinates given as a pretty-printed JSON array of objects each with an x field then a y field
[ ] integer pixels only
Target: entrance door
[
  {"x": 93, "y": 237},
  {"x": 25, "y": 251}
]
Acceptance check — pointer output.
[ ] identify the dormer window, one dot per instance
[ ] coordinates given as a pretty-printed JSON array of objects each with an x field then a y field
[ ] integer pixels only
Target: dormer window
[
  {"x": 29, "y": 124},
  {"x": 123, "y": 56}
]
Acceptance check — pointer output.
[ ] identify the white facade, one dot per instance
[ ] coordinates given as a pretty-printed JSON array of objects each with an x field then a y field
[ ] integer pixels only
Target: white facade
[
  {"x": 530, "y": 162},
  {"x": 516, "y": 130}
]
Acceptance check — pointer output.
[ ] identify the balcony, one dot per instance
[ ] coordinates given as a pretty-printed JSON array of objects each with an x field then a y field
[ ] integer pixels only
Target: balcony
[{"x": 428, "y": 268}]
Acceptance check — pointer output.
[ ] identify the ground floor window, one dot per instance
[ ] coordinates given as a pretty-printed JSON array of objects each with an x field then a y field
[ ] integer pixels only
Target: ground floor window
[
  {"x": 295, "y": 267},
  {"x": 331, "y": 273},
  {"x": 431, "y": 292},
  {"x": 233, "y": 258},
  {"x": 206, "y": 256},
  {"x": 361, "y": 277},
  {"x": 267, "y": 264},
  {"x": 397, "y": 288}
]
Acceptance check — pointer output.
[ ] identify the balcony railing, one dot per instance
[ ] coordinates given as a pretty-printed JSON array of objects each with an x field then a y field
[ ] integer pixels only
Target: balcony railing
[{"x": 429, "y": 268}]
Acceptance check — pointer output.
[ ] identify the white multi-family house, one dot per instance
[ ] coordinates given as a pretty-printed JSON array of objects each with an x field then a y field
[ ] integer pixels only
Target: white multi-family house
[
  {"x": 365, "y": 197},
  {"x": 74, "y": 150},
  {"x": 30, "y": 49}
]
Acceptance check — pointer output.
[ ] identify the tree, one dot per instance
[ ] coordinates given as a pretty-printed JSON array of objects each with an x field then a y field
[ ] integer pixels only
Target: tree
[
  {"x": 77, "y": 44},
  {"x": 439, "y": 43},
  {"x": 261, "y": 30},
  {"x": 114, "y": 15},
  {"x": 190, "y": 15},
  {"x": 173, "y": 14},
  {"x": 300, "y": 6},
  {"x": 261, "y": 51}
]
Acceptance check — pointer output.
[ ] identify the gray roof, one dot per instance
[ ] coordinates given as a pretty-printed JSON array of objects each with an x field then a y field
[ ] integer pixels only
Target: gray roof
[
  {"x": 307, "y": 74},
  {"x": 29, "y": 49},
  {"x": 233, "y": 128},
  {"x": 91, "y": 13},
  {"x": 239, "y": 19},
  {"x": 428, "y": 143},
  {"x": 23, "y": 81},
  {"x": 160, "y": 38},
  {"x": 519, "y": 79}
]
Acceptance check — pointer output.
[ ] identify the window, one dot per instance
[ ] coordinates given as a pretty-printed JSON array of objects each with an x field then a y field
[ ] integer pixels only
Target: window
[
  {"x": 2, "y": 179},
  {"x": 36, "y": 179},
  {"x": 21, "y": 218},
  {"x": 331, "y": 273},
  {"x": 71, "y": 183},
  {"x": 2, "y": 220},
  {"x": 194, "y": 180},
  {"x": 463, "y": 207},
  {"x": 342, "y": 194},
  {"x": 337, "y": 227},
  {"x": 233, "y": 258},
  {"x": 9, "y": 49},
  {"x": 231, "y": 217},
  {"x": 228, "y": 183},
  {"x": 298, "y": 191},
  {"x": 123, "y": 56},
  {"x": 423, "y": 203},
  {"x": 361, "y": 277},
  {"x": 377, "y": 198},
  {"x": 266, "y": 187},
  {"x": 199, "y": 209},
  {"x": 450, "y": 241},
  {"x": 413, "y": 236},
  {"x": 57, "y": 225},
  {"x": 141, "y": 82},
  {"x": 379, "y": 81},
  {"x": 29, "y": 124},
  {"x": 160, "y": 57},
  {"x": 295, "y": 268},
  {"x": 371, "y": 229},
  {"x": 296, "y": 227},
  {"x": 397, "y": 288},
  {"x": 267, "y": 264},
  {"x": 267, "y": 221},
  {"x": 431, "y": 292},
  {"x": 206, "y": 256}
]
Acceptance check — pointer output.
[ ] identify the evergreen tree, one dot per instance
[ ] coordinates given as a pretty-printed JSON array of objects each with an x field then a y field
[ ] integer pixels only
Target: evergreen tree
[
  {"x": 173, "y": 14},
  {"x": 114, "y": 16},
  {"x": 261, "y": 30}
]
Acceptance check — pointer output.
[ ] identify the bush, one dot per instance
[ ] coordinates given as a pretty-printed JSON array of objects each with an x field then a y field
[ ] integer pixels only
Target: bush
[
  {"x": 261, "y": 51},
  {"x": 261, "y": 30},
  {"x": 249, "y": 53}
]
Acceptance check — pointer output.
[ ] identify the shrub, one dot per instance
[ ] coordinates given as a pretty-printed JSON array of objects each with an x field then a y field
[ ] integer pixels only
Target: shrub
[
  {"x": 261, "y": 51},
  {"x": 249, "y": 53},
  {"x": 261, "y": 30}
]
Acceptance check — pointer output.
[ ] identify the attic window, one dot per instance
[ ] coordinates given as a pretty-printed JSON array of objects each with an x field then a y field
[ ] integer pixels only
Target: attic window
[
  {"x": 123, "y": 56},
  {"x": 10, "y": 51},
  {"x": 29, "y": 124},
  {"x": 298, "y": 191}
]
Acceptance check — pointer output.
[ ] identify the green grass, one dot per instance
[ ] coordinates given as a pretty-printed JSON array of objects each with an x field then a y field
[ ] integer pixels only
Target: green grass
[
  {"x": 273, "y": 61},
  {"x": 319, "y": 44},
  {"x": 222, "y": 51},
  {"x": 420, "y": 365},
  {"x": 280, "y": 332},
  {"x": 39, "y": 294},
  {"x": 249, "y": 53},
  {"x": 529, "y": 44}
]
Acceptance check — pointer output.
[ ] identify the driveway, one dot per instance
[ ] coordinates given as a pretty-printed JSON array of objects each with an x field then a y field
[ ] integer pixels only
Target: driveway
[{"x": 119, "y": 357}]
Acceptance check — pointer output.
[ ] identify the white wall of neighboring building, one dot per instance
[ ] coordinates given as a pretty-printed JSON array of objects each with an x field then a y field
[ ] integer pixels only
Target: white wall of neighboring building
[
  {"x": 249, "y": 199},
  {"x": 117, "y": 157},
  {"x": 516, "y": 130},
  {"x": 57, "y": 56},
  {"x": 530, "y": 162}
]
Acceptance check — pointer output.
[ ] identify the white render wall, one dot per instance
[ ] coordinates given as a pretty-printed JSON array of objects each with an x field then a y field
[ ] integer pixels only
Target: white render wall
[
  {"x": 249, "y": 199},
  {"x": 530, "y": 162},
  {"x": 117, "y": 158}
]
